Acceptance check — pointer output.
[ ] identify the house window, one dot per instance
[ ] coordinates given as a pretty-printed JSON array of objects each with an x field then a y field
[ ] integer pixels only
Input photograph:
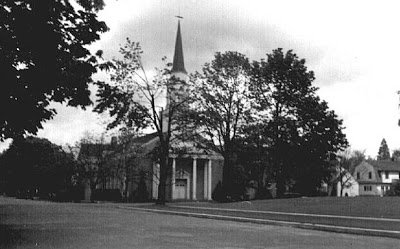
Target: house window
[
  {"x": 367, "y": 188},
  {"x": 386, "y": 174},
  {"x": 369, "y": 175},
  {"x": 358, "y": 175}
]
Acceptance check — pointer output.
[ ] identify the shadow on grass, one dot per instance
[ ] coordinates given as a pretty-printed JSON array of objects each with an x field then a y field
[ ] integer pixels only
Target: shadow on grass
[{"x": 10, "y": 236}]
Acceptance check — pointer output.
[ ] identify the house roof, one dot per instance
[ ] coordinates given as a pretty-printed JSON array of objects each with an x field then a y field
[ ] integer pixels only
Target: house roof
[
  {"x": 145, "y": 138},
  {"x": 196, "y": 146},
  {"x": 372, "y": 182},
  {"x": 93, "y": 150},
  {"x": 146, "y": 144},
  {"x": 385, "y": 165}
]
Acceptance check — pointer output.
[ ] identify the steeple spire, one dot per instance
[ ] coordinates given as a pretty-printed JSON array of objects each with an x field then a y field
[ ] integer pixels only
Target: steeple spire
[{"x": 178, "y": 64}]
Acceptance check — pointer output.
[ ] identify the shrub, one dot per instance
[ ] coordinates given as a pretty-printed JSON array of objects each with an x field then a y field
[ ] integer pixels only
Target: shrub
[
  {"x": 107, "y": 195},
  {"x": 394, "y": 189}
]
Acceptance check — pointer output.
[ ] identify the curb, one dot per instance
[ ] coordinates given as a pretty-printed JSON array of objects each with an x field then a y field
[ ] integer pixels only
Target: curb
[{"x": 310, "y": 226}]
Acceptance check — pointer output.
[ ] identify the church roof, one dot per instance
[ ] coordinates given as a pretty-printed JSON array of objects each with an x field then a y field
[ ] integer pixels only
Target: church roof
[
  {"x": 195, "y": 146},
  {"x": 178, "y": 65},
  {"x": 145, "y": 138}
]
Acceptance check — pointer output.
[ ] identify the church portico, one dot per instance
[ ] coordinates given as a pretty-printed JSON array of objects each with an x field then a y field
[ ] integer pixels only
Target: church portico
[{"x": 191, "y": 177}]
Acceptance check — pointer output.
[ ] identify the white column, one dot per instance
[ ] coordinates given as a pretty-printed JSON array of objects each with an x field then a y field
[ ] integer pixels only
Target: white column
[
  {"x": 173, "y": 178},
  {"x": 209, "y": 171},
  {"x": 205, "y": 181},
  {"x": 194, "y": 181}
]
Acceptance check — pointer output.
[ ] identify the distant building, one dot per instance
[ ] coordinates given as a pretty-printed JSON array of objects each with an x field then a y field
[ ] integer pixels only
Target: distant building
[
  {"x": 93, "y": 156},
  {"x": 376, "y": 177},
  {"x": 350, "y": 185}
]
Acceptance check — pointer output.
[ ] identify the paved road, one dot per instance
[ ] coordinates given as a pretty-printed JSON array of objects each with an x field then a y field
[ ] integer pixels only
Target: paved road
[{"x": 34, "y": 224}]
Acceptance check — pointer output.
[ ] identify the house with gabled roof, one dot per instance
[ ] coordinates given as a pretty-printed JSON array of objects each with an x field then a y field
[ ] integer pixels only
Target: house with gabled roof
[{"x": 375, "y": 177}]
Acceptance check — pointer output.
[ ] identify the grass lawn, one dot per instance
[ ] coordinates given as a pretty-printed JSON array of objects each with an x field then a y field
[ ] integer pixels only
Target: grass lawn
[{"x": 386, "y": 207}]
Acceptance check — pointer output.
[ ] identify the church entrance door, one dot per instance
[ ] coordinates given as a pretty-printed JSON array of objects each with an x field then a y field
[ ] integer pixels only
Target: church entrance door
[{"x": 180, "y": 188}]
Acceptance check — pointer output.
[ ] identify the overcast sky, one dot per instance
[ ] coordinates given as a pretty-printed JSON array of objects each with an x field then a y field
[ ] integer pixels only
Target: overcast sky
[{"x": 352, "y": 46}]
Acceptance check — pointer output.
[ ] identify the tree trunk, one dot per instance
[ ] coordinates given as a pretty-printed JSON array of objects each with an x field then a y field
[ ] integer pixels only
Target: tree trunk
[
  {"x": 341, "y": 191},
  {"x": 127, "y": 178},
  {"x": 92, "y": 190},
  {"x": 341, "y": 188},
  {"x": 126, "y": 188},
  {"x": 163, "y": 180},
  {"x": 227, "y": 171},
  {"x": 280, "y": 184}
]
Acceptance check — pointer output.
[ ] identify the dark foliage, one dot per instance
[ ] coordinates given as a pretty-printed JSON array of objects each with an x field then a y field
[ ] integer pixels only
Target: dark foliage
[
  {"x": 43, "y": 59},
  {"x": 298, "y": 131},
  {"x": 36, "y": 167},
  {"x": 383, "y": 153},
  {"x": 220, "y": 193},
  {"x": 396, "y": 155},
  {"x": 141, "y": 194},
  {"x": 394, "y": 189}
]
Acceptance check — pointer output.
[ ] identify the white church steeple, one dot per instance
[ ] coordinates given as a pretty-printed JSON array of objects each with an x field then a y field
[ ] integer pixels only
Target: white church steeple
[{"x": 176, "y": 91}]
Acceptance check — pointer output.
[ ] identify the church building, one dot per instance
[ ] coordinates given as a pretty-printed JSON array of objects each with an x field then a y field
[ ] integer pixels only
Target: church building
[{"x": 194, "y": 173}]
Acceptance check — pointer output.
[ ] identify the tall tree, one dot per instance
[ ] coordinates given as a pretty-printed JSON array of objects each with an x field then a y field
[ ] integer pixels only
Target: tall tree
[
  {"x": 44, "y": 58},
  {"x": 383, "y": 153},
  {"x": 220, "y": 106},
  {"x": 134, "y": 100},
  {"x": 300, "y": 128}
]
